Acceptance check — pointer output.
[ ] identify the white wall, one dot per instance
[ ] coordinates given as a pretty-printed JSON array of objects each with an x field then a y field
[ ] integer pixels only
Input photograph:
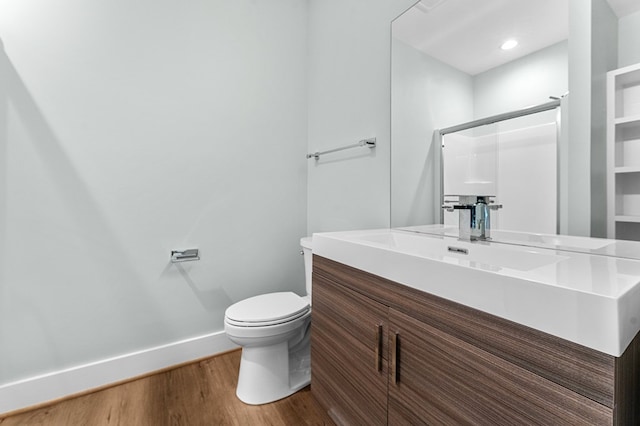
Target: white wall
[
  {"x": 349, "y": 98},
  {"x": 427, "y": 95},
  {"x": 524, "y": 82},
  {"x": 128, "y": 129}
]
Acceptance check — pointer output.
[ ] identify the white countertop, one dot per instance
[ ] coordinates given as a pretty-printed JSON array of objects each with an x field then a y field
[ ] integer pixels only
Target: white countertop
[{"x": 574, "y": 293}]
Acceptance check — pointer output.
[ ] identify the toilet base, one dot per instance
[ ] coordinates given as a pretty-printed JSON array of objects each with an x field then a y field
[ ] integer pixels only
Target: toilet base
[{"x": 270, "y": 373}]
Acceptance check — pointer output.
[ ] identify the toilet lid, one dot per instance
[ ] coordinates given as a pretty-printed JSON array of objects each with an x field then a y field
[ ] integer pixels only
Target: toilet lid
[{"x": 266, "y": 309}]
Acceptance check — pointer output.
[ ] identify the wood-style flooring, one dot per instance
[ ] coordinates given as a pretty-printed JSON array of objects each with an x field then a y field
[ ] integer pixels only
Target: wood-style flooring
[{"x": 201, "y": 393}]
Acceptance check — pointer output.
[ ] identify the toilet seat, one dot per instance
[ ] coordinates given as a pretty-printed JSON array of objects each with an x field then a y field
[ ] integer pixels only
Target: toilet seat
[{"x": 267, "y": 309}]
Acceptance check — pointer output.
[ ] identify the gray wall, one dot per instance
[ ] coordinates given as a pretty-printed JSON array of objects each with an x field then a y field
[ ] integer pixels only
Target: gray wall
[
  {"x": 427, "y": 95},
  {"x": 629, "y": 40},
  {"x": 579, "y": 117},
  {"x": 128, "y": 129},
  {"x": 349, "y": 98},
  {"x": 526, "y": 81},
  {"x": 604, "y": 58},
  {"x": 593, "y": 51}
]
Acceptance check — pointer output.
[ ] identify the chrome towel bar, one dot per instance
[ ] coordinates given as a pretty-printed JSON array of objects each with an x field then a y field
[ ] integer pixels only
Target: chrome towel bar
[
  {"x": 369, "y": 143},
  {"x": 184, "y": 255}
]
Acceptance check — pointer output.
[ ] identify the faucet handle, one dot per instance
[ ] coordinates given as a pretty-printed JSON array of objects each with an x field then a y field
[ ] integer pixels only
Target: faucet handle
[
  {"x": 453, "y": 207},
  {"x": 463, "y": 202}
]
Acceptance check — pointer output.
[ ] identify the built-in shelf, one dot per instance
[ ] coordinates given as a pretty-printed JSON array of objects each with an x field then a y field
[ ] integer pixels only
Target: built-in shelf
[
  {"x": 627, "y": 169},
  {"x": 623, "y": 152},
  {"x": 633, "y": 120},
  {"x": 632, "y": 219}
]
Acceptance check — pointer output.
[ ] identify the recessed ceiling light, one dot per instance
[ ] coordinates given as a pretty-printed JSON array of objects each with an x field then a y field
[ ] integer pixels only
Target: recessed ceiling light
[{"x": 509, "y": 44}]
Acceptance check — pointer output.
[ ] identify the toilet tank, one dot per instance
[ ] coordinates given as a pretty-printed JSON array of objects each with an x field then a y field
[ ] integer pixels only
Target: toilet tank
[{"x": 308, "y": 259}]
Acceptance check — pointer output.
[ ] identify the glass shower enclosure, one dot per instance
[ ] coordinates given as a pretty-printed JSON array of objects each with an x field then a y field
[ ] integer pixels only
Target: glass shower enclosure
[{"x": 512, "y": 158}]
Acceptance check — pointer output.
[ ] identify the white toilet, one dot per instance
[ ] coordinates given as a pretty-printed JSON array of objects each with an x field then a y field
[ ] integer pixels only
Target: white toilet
[{"x": 273, "y": 330}]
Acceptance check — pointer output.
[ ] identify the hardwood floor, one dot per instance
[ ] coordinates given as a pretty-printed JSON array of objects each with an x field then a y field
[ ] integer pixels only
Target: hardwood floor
[{"x": 202, "y": 393}]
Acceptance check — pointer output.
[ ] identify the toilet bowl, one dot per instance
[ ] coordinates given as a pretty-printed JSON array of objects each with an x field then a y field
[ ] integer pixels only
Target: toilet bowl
[{"x": 273, "y": 331}]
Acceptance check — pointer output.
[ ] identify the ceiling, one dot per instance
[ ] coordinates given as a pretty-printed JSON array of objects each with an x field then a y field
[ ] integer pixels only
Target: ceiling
[{"x": 467, "y": 34}]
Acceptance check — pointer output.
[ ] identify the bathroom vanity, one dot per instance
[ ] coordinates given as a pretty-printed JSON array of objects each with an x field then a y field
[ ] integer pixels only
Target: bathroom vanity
[{"x": 407, "y": 328}]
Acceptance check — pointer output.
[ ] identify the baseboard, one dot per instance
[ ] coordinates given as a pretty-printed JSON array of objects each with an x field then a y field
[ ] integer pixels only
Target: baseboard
[{"x": 38, "y": 390}]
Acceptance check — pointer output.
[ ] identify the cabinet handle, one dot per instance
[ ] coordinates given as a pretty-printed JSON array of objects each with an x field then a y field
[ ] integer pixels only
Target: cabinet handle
[
  {"x": 379, "y": 348},
  {"x": 395, "y": 356}
]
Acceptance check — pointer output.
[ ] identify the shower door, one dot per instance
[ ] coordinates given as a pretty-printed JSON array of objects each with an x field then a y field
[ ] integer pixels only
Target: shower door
[{"x": 515, "y": 161}]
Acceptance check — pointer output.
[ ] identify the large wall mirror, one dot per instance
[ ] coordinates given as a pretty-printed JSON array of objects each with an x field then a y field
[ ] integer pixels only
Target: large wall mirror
[{"x": 449, "y": 67}]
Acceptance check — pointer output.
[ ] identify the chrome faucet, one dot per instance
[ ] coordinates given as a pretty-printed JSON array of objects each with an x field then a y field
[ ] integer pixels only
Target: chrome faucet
[{"x": 474, "y": 216}]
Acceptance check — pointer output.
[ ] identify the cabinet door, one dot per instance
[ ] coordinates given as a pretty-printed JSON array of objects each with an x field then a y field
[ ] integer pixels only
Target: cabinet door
[
  {"x": 349, "y": 369},
  {"x": 436, "y": 378}
]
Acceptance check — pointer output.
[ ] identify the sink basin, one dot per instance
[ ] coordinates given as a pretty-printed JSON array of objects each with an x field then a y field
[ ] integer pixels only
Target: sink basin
[
  {"x": 560, "y": 242},
  {"x": 591, "y": 298},
  {"x": 458, "y": 252},
  {"x": 599, "y": 246}
]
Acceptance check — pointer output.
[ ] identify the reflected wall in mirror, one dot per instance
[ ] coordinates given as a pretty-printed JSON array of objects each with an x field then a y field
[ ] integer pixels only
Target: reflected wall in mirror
[{"x": 447, "y": 68}]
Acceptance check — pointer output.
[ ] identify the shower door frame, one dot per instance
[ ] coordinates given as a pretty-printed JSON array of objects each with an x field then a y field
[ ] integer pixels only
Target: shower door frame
[{"x": 438, "y": 134}]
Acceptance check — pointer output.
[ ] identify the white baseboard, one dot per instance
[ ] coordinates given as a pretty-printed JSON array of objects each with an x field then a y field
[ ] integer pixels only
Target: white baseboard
[{"x": 52, "y": 386}]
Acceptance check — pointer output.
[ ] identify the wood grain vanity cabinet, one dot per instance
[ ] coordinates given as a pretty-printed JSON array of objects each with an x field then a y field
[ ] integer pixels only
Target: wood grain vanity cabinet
[
  {"x": 384, "y": 353},
  {"x": 350, "y": 335}
]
